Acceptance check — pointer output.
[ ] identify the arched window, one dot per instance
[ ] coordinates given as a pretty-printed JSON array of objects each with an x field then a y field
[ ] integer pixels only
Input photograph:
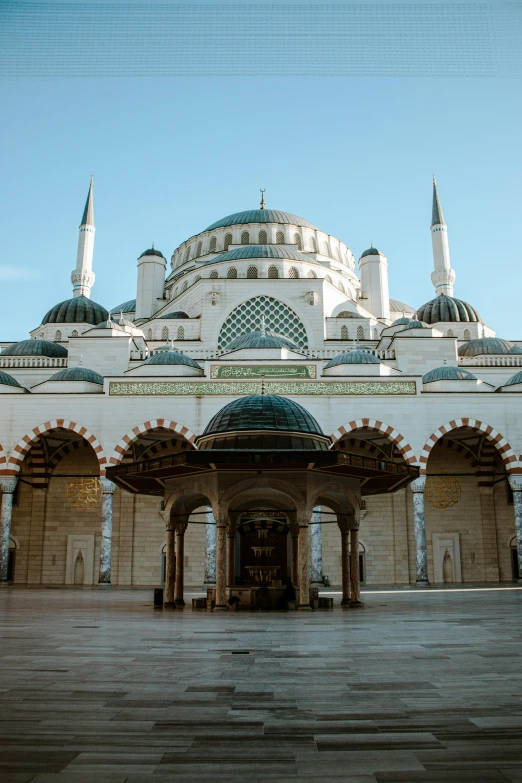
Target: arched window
[
  {"x": 252, "y": 272},
  {"x": 149, "y": 334},
  {"x": 187, "y": 254},
  {"x": 165, "y": 333},
  {"x": 213, "y": 244},
  {"x": 328, "y": 279},
  {"x": 293, "y": 273},
  {"x": 263, "y": 238},
  {"x": 228, "y": 240},
  {"x": 313, "y": 244},
  {"x": 184, "y": 286},
  {"x": 340, "y": 286},
  {"x": 326, "y": 249},
  {"x": 360, "y": 332},
  {"x": 74, "y": 333},
  {"x": 297, "y": 241},
  {"x": 280, "y": 238},
  {"x": 273, "y": 272},
  {"x": 199, "y": 248},
  {"x": 344, "y": 333},
  {"x": 180, "y": 334},
  {"x": 311, "y": 273},
  {"x": 449, "y": 333},
  {"x": 198, "y": 277},
  {"x": 213, "y": 274},
  {"x": 467, "y": 334},
  {"x": 245, "y": 238},
  {"x": 232, "y": 272},
  {"x": 57, "y": 336}
]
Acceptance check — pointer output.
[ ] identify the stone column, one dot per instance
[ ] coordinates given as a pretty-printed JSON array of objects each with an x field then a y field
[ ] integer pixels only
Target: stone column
[
  {"x": 316, "y": 531},
  {"x": 104, "y": 579},
  {"x": 231, "y": 554},
  {"x": 221, "y": 564},
  {"x": 8, "y": 486},
  {"x": 180, "y": 564},
  {"x": 170, "y": 568},
  {"x": 355, "y": 577},
  {"x": 417, "y": 487},
  {"x": 345, "y": 560},
  {"x": 304, "y": 566},
  {"x": 294, "y": 569},
  {"x": 515, "y": 483},
  {"x": 210, "y": 550}
]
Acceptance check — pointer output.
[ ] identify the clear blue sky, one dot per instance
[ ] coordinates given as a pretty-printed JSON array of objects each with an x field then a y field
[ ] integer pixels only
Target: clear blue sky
[{"x": 172, "y": 155}]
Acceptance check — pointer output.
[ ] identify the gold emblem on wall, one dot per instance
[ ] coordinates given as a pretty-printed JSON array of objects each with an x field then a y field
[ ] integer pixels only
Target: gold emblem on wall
[
  {"x": 83, "y": 493},
  {"x": 443, "y": 491}
]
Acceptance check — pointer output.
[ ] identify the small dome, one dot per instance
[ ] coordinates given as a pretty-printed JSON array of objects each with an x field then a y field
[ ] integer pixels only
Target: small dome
[
  {"x": 489, "y": 345},
  {"x": 415, "y": 324},
  {"x": 78, "y": 374},
  {"x": 372, "y": 251},
  {"x": 177, "y": 314},
  {"x": 400, "y": 307},
  {"x": 78, "y": 310},
  {"x": 401, "y": 321},
  {"x": 448, "y": 373},
  {"x": 254, "y": 340},
  {"x": 35, "y": 348},
  {"x": 8, "y": 380},
  {"x": 110, "y": 324},
  {"x": 260, "y": 251},
  {"x": 352, "y": 357},
  {"x": 448, "y": 309},
  {"x": 261, "y": 216},
  {"x": 125, "y": 307},
  {"x": 152, "y": 252},
  {"x": 517, "y": 378},
  {"x": 171, "y": 357}
]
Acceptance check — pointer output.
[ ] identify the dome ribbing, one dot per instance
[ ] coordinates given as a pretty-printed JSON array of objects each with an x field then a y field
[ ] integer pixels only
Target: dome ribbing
[
  {"x": 490, "y": 346},
  {"x": 448, "y": 373},
  {"x": 261, "y": 251},
  {"x": 78, "y": 374},
  {"x": 78, "y": 310},
  {"x": 352, "y": 357},
  {"x": 263, "y": 412},
  {"x": 260, "y": 340},
  {"x": 36, "y": 348},
  {"x": 261, "y": 216},
  {"x": 8, "y": 380},
  {"x": 172, "y": 357},
  {"x": 448, "y": 309}
]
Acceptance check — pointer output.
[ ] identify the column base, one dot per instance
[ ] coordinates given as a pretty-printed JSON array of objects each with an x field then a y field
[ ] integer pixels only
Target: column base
[
  {"x": 422, "y": 584},
  {"x": 356, "y": 604},
  {"x": 169, "y": 605},
  {"x": 179, "y": 602},
  {"x": 220, "y": 608},
  {"x": 5, "y": 584},
  {"x": 346, "y": 602},
  {"x": 104, "y": 584},
  {"x": 304, "y": 608}
]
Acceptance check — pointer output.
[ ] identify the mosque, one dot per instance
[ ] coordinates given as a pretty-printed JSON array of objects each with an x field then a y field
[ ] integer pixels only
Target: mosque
[{"x": 261, "y": 411}]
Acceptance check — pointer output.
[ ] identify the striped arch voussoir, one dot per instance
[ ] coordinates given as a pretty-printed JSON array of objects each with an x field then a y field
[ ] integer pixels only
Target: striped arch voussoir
[
  {"x": 374, "y": 424},
  {"x": 117, "y": 455},
  {"x": 504, "y": 449},
  {"x": 19, "y": 452}
]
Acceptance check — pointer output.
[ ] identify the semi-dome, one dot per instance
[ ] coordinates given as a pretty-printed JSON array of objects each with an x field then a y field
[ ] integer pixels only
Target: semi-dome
[
  {"x": 261, "y": 216},
  {"x": 448, "y": 309},
  {"x": 8, "y": 380},
  {"x": 372, "y": 251},
  {"x": 78, "y": 374},
  {"x": 517, "y": 378},
  {"x": 78, "y": 310},
  {"x": 448, "y": 372},
  {"x": 152, "y": 252},
  {"x": 259, "y": 339},
  {"x": 35, "y": 348},
  {"x": 352, "y": 357},
  {"x": 125, "y": 307},
  {"x": 177, "y": 314},
  {"x": 263, "y": 421},
  {"x": 172, "y": 357},
  {"x": 260, "y": 251},
  {"x": 489, "y": 345}
]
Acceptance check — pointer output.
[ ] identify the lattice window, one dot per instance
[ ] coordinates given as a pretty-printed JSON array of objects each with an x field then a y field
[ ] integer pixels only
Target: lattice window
[
  {"x": 450, "y": 333},
  {"x": 293, "y": 273},
  {"x": 252, "y": 272},
  {"x": 344, "y": 333},
  {"x": 279, "y": 319},
  {"x": 313, "y": 244},
  {"x": 311, "y": 273},
  {"x": 232, "y": 272},
  {"x": 213, "y": 275},
  {"x": 199, "y": 248},
  {"x": 280, "y": 238},
  {"x": 467, "y": 334},
  {"x": 297, "y": 241},
  {"x": 187, "y": 254},
  {"x": 74, "y": 333},
  {"x": 165, "y": 333},
  {"x": 360, "y": 332},
  {"x": 228, "y": 240},
  {"x": 245, "y": 238},
  {"x": 57, "y": 336},
  {"x": 263, "y": 237},
  {"x": 273, "y": 272},
  {"x": 213, "y": 245},
  {"x": 180, "y": 334}
]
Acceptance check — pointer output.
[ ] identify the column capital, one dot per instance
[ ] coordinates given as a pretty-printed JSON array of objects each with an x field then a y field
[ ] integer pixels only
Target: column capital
[
  {"x": 343, "y": 520},
  {"x": 107, "y": 486},
  {"x": 180, "y": 527},
  {"x": 222, "y": 521},
  {"x": 8, "y": 484},
  {"x": 418, "y": 484},
  {"x": 515, "y": 482}
]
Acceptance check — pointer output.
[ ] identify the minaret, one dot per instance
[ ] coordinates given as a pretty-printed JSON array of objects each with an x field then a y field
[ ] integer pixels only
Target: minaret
[
  {"x": 83, "y": 277},
  {"x": 443, "y": 275}
]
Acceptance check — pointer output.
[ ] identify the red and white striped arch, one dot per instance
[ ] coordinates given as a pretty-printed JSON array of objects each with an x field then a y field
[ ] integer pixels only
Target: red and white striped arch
[
  {"x": 22, "y": 447},
  {"x": 374, "y": 424},
  {"x": 3, "y": 460},
  {"x": 134, "y": 434},
  {"x": 504, "y": 449}
]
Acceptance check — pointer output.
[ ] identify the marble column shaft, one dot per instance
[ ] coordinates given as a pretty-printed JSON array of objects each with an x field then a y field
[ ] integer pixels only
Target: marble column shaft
[
  {"x": 355, "y": 577},
  {"x": 419, "y": 525},
  {"x": 7, "y": 486},
  {"x": 294, "y": 566},
  {"x": 345, "y": 566},
  {"x": 516, "y": 486},
  {"x": 221, "y": 563},
  {"x": 170, "y": 568},
  {"x": 180, "y": 564},
  {"x": 316, "y": 531},
  {"x": 231, "y": 555},
  {"x": 210, "y": 550},
  {"x": 304, "y": 566},
  {"x": 106, "y": 532}
]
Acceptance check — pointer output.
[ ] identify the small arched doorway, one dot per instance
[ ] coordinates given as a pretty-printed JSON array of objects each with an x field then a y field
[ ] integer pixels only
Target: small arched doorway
[{"x": 515, "y": 570}]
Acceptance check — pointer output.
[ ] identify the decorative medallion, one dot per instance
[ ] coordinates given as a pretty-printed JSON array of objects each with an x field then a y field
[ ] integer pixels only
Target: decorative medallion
[
  {"x": 443, "y": 491},
  {"x": 83, "y": 493}
]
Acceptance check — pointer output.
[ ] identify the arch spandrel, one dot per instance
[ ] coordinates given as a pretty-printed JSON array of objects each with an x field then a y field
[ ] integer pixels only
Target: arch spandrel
[
  {"x": 385, "y": 429},
  {"x": 132, "y": 435}
]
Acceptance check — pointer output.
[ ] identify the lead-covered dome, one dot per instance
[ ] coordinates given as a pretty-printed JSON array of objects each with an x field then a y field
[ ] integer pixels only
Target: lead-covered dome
[
  {"x": 78, "y": 374},
  {"x": 8, "y": 380},
  {"x": 152, "y": 252},
  {"x": 36, "y": 348},
  {"x": 171, "y": 357},
  {"x": 414, "y": 323},
  {"x": 489, "y": 345},
  {"x": 517, "y": 378},
  {"x": 401, "y": 321},
  {"x": 255, "y": 340},
  {"x": 448, "y": 372},
  {"x": 261, "y": 216},
  {"x": 448, "y": 309},
  {"x": 263, "y": 421},
  {"x": 352, "y": 357},
  {"x": 175, "y": 315},
  {"x": 78, "y": 310},
  {"x": 372, "y": 251},
  {"x": 125, "y": 307}
]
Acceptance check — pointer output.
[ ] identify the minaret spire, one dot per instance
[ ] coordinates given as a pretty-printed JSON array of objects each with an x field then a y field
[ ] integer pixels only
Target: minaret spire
[
  {"x": 443, "y": 276},
  {"x": 83, "y": 277}
]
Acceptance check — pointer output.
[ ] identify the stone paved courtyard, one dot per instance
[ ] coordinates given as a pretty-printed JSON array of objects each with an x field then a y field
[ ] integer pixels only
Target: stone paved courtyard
[{"x": 416, "y": 686}]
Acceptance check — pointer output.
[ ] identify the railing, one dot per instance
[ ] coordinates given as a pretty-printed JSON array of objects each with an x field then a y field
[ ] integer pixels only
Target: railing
[
  {"x": 329, "y": 353},
  {"x": 32, "y": 361},
  {"x": 490, "y": 361}
]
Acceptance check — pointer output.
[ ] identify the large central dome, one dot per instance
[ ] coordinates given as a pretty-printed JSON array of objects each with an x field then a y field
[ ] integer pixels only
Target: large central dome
[{"x": 261, "y": 216}]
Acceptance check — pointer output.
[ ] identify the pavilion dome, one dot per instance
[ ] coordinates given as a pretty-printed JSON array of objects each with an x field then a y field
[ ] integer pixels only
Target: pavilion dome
[
  {"x": 448, "y": 309},
  {"x": 258, "y": 339},
  {"x": 78, "y": 374},
  {"x": 489, "y": 345},
  {"x": 8, "y": 380},
  {"x": 352, "y": 357},
  {"x": 78, "y": 310},
  {"x": 261, "y": 216},
  {"x": 448, "y": 372},
  {"x": 36, "y": 348}
]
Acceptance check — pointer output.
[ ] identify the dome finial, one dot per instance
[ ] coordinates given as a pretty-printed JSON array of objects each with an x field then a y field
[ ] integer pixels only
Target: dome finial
[{"x": 263, "y": 191}]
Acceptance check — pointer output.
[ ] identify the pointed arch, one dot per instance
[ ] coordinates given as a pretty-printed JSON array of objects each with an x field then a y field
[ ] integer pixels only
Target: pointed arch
[
  {"x": 503, "y": 447},
  {"x": 374, "y": 424},
  {"x": 22, "y": 447},
  {"x": 3, "y": 459},
  {"x": 122, "y": 446}
]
